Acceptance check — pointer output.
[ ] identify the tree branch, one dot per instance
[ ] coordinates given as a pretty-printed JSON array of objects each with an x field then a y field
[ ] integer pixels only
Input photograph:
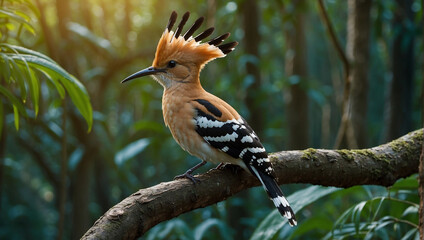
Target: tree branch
[{"x": 381, "y": 165}]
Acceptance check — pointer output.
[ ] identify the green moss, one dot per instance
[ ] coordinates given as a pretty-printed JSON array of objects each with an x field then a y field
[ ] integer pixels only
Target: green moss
[
  {"x": 346, "y": 154},
  {"x": 372, "y": 155},
  {"x": 406, "y": 147},
  {"x": 308, "y": 154}
]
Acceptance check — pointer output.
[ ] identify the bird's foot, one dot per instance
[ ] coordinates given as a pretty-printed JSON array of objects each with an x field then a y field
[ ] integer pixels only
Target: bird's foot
[
  {"x": 189, "y": 176},
  {"x": 220, "y": 166}
]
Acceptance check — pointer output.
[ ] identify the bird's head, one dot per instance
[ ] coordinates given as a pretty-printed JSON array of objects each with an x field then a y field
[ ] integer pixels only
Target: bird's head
[{"x": 180, "y": 58}]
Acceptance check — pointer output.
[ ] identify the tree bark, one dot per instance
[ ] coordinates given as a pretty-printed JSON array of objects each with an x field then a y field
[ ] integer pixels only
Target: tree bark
[
  {"x": 81, "y": 195},
  {"x": 357, "y": 49},
  {"x": 252, "y": 39},
  {"x": 399, "y": 109},
  {"x": 381, "y": 165},
  {"x": 296, "y": 97}
]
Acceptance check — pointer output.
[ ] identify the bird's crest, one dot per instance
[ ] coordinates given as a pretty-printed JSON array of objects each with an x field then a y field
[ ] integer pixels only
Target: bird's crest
[{"x": 186, "y": 48}]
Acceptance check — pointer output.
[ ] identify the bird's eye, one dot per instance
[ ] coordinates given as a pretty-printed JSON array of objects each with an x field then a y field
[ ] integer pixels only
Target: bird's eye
[{"x": 172, "y": 64}]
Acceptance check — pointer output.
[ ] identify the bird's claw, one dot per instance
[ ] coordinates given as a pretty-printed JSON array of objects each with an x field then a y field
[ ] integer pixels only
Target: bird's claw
[
  {"x": 220, "y": 166},
  {"x": 189, "y": 176}
]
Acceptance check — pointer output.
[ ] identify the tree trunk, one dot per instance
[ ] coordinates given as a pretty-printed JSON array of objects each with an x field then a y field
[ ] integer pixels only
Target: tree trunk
[
  {"x": 81, "y": 197},
  {"x": 251, "y": 17},
  {"x": 399, "y": 109},
  {"x": 296, "y": 97},
  {"x": 357, "y": 50}
]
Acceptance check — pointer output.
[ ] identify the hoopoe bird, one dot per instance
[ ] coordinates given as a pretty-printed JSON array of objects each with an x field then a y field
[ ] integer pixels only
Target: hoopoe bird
[{"x": 201, "y": 123}]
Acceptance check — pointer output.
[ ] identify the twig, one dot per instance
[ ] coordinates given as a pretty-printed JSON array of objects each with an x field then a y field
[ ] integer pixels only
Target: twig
[{"x": 345, "y": 121}]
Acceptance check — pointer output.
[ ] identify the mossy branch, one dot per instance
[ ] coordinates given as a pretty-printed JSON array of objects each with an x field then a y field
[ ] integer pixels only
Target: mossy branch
[{"x": 381, "y": 165}]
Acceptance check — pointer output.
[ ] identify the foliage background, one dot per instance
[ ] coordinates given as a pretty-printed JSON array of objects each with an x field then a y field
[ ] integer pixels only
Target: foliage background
[{"x": 101, "y": 41}]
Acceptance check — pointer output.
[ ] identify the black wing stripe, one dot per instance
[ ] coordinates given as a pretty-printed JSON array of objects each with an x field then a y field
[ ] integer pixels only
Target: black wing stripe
[{"x": 210, "y": 107}]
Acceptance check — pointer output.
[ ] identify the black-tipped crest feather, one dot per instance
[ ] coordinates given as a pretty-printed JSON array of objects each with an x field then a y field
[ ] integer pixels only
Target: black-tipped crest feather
[
  {"x": 225, "y": 48},
  {"x": 172, "y": 20},
  {"x": 193, "y": 28},
  {"x": 181, "y": 25},
  {"x": 218, "y": 40},
  {"x": 228, "y": 47},
  {"x": 204, "y": 34}
]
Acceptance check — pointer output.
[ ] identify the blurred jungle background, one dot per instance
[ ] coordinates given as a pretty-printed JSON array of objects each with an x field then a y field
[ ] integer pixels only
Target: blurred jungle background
[{"x": 74, "y": 141}]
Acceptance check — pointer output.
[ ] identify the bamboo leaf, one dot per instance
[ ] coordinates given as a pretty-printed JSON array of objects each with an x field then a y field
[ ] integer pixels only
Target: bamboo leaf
[
  {"x": 274, "y": 222},
  {"x": 5, "y": 67},
  {"x": 75, "y": 89},
  {"x": 15, "y": 101},
  {"x": 34, "y": 88},
  {"x": 16, "y": 116},
  {"x": 5, "y": 13},
  {"x": 18, "y": 77},
  {"x": 22, "y": 50}
]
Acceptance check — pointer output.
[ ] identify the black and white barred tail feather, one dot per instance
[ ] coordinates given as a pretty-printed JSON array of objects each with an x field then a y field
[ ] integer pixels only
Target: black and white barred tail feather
[{"x": 276, "y": 195}]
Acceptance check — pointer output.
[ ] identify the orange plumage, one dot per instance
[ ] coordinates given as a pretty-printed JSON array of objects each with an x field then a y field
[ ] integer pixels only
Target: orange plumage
[{"x": 186, "y": 51}]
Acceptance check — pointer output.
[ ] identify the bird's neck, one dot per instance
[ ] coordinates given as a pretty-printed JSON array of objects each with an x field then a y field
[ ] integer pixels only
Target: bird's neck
[
  {"x": 175, "y": 100},
  {"x": 184, "y": 90}
]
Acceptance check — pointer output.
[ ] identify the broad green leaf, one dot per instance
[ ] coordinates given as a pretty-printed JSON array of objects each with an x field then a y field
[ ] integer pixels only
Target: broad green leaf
[
  {"x": 274, "y": 222},
  {"x": 131, "y": 150},
  {"x": 75, "y": 89}
]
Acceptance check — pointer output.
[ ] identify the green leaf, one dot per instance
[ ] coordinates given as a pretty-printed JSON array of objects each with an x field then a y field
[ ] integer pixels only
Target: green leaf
[
  {"x": 201, "y": 230},
  {"x": 22, "y": 50},
  {"x": 131, "y": 150},
  {"x": 87, "y": 34},
  {"x": 75, "y": 89},
  {"x": 56, "y": 83},
  {"x": 410, "y": 182},
  {"x": 5, "y": 67},
  {"x": 15, "y": 101},
  {"x": 16, "y": 16},
  {"x": 16, "y": 116},
  {"x": 19, "y": 78},
  {"x": 34, "y": 88},
  {"x": 274, "y": 222}
]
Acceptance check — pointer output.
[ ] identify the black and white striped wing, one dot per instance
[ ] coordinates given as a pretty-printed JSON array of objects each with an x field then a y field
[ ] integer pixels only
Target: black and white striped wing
[{"x": 236, "y": 138}]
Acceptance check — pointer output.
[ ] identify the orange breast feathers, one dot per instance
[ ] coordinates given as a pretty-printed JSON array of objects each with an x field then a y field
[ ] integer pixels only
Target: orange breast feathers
[{"x": 179, "y": 110}]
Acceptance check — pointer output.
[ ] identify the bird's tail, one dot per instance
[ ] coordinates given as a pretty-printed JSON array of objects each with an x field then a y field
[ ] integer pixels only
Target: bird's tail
[{"x": 276, "y": 195}]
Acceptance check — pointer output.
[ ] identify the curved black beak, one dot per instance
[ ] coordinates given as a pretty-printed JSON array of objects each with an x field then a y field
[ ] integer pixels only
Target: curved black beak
[{"x": 142, "y": 73}]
